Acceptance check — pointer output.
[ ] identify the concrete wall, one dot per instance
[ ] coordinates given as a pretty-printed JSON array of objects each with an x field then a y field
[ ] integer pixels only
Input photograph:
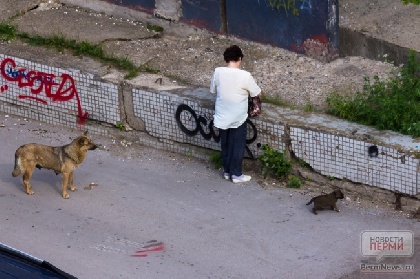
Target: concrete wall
[
  {"x": 309, "y": 27},
  {"x": 354, "y": 43},
  {"x": 179, "y": 119}
]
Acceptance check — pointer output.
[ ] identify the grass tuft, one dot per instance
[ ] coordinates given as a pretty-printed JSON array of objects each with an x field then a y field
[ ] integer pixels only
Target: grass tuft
[
  {"x": 154, "y": 28},
  {"x": 60, "y": 43},
  {"x": 7, "y": 32},
  {"x": 273, "y": 100}
]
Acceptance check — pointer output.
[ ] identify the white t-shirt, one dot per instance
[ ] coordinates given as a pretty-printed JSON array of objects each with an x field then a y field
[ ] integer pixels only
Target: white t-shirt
[{"x": 232, "y": 86}]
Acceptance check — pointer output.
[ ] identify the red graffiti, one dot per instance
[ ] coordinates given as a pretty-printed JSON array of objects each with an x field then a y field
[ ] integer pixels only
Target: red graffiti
[
  {"x": 155, "y": 247},
  {"x": 39, "y": 82},
  {"x": 3, "y": 88}
]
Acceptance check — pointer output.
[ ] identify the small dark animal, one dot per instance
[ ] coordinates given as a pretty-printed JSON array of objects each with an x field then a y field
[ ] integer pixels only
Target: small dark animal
[
  {"x": 328, "y": 200},
  {"x": 61, "y": 159}
]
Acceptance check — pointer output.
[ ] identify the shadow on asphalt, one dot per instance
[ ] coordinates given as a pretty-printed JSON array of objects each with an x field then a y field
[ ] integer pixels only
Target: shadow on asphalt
[{"x": 40, "y": 178}]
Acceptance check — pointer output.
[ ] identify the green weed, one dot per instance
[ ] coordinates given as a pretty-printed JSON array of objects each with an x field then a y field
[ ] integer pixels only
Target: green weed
[
  {"x": 7, "y": 32},
  {"x": 155, "y": 28},
  {"x": 147, "y": 69},
  {"x": 330, "y": 177},
  {"x": 415, "y": 2},
  {"x": 308, "y": 107},
  {"x": 216, "y": 159},
  {"x": 294, "y": 182},
  {"x": 120, "y": 126},
  {"x": 274, "y": 162},
  {"x": 273, "y": 100}
]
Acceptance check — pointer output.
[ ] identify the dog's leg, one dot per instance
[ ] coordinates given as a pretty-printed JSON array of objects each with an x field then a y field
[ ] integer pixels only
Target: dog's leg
[
  {"x": 29, "y": 169},
  {"x": 71, "y": 185},
  {"x": 316, "y": 208},
  {"x": 65, "y": 184},
  {"x": 335, "y": 208}
]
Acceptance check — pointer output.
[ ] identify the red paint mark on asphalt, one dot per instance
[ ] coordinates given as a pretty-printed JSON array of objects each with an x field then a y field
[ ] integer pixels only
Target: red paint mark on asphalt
[{"x": 155, "y": 247}]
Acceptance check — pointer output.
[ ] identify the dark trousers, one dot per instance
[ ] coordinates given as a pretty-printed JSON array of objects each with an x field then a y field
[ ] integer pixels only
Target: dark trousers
[{"x": 233, "y": 142}]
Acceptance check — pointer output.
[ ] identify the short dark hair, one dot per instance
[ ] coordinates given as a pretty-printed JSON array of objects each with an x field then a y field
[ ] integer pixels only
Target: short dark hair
[{"x": 233, "y": 53}]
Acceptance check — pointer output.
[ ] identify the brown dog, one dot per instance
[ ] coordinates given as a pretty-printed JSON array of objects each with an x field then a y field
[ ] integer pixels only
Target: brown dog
[
  {"x": 328, "y": 200},
  {"x": 61, "y": 159}
]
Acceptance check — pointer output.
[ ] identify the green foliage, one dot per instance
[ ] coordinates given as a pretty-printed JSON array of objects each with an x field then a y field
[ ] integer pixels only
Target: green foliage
[
  {"x": 131, "y": 74},
  {"x": 273, "y": 100},
  {"x": 122, "y": 63},
  {"x": 155, "y": 28},
  {"x": 308, "y": 107},
  {"x": 387, "y": 105},
  {"x": 88, "y": 49},
  {"x": 274, "y": 162},
  {"x": 145, "y": 68},
  {"x": 415, "y": 2},
  {"x": 216, "y": 159},
  {"x": 294, "y": 182},
  {"x": 330, "y": 177},
  {"x": 120, "y": 126},
  {"x": 7, "y": 32}
]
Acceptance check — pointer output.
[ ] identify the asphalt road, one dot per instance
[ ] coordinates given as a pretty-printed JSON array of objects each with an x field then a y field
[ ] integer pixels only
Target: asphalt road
[{"x": 155, "y": 214}]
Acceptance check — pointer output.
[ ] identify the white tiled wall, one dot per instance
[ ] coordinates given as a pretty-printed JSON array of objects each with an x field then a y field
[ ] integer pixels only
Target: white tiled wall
[
  {"x": 344, "y": 157},
  {"x": 98, "y": 99},
  {"x": 159, "y": 112}
]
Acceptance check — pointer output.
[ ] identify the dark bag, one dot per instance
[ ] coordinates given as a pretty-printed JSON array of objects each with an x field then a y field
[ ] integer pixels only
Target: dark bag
[{"x": 254, "y": 106}]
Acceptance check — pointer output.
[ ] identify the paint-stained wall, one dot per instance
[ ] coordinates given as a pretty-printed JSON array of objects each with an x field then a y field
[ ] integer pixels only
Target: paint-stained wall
[
  {"x": 55, "y": 95},
  {"x": 304, "y": 26},
  {"x": 203, "y": 14},
  {"x": 309, "y": 27}
]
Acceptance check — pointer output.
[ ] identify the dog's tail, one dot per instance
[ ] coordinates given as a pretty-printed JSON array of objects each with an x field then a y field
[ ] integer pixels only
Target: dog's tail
[
  {"x": 310, "y": 201},
  {"x": 17, "y": 170}
]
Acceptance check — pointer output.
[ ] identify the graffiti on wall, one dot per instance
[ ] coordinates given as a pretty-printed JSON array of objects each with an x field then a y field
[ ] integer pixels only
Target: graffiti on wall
[
  {"x": 289, "y": 6},
  {"x": 43, "y": 87},
  {"x": 204, "y": 125}
]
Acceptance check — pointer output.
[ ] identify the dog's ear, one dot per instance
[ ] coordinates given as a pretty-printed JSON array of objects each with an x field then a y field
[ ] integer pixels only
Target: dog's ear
[
  {"x": 85, "y": 133},
  {"x": 83, "y": 141}
]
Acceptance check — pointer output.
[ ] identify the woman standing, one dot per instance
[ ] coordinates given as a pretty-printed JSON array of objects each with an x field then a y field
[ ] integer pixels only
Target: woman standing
[{"x": 232, "y": 86}]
